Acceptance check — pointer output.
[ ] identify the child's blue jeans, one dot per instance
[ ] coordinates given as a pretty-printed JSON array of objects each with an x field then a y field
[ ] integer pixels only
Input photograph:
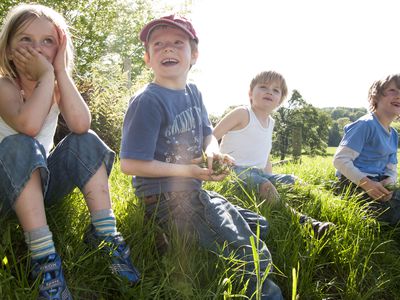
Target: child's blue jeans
[
  {"x": 214, "y": 221},
  {"x": 71, "y": 164},
  {"x": 253, "y": 177}
]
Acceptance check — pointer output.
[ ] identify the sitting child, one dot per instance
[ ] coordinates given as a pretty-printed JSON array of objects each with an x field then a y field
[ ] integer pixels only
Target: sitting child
[
  {"x": 35, "y": 86},
  {"x": 166, "y": 129},
  {"x": 246, "y": 135},
  {"x": 367, "y": 155}
]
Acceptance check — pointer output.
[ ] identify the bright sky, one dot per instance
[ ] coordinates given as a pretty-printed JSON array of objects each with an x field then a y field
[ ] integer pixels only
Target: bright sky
[{"x": 329, "y": 50}]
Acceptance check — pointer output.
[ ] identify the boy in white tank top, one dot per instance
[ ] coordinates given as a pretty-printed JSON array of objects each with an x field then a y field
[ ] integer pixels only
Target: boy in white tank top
[{"x": 246, "y": 135}]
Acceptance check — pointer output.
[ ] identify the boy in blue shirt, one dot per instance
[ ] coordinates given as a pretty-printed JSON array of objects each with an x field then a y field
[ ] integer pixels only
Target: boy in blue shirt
[
  {"x": 367, "y": 154},
  {"x": 166, "y": 129}
]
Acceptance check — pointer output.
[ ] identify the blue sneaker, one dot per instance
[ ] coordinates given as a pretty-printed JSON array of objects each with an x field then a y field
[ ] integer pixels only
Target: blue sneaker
[
  {"x": 52, "y": 282},
  {"x": 118, "y": 251}
]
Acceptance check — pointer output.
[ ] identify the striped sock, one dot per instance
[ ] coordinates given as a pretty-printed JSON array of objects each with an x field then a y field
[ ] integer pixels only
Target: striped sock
[
  {"x": 40, "y": 242},
  {"x": 104, "y": 222}
]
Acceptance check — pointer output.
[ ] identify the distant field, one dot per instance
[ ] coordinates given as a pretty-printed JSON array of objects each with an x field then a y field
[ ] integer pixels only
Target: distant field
[{"x": 331, "y": 150}]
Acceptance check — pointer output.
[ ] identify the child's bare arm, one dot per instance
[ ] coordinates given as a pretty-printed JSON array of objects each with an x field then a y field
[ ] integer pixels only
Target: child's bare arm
[
  {"x": 72, "y": 106},
  {"x": 268, "y": 167},
  {"x": 155, "y": 168},
  {"x": 234, "y": 120},
  {"x": 26, "y": 111}
]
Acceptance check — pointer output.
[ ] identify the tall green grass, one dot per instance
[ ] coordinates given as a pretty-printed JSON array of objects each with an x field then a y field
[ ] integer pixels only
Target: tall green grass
[{"x": 359, "y": 259}]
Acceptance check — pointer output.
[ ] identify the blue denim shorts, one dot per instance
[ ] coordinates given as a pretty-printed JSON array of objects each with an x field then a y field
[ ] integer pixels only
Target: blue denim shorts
[
  {"x": 70, "y": 164},
  {"x": 213, "y": 221},
  {"x": 253, "y": 177}
]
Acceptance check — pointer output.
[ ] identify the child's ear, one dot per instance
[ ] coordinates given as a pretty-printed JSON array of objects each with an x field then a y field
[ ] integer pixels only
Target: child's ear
[
  {"x": 195, "y": 55},
  {"x": 146, "y": 58}
]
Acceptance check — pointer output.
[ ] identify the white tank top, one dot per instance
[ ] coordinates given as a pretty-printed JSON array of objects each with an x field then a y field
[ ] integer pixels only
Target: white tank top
[
  {"x": 45, "y": 136},
  {"x": 250, "y": 146}
]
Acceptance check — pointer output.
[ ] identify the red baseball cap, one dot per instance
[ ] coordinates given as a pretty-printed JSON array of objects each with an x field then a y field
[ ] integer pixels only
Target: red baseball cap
[{"x": 173, "y": 20}]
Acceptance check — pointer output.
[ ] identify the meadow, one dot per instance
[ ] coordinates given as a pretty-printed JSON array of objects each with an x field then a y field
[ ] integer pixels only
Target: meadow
[{"x": 358, "y": 259}]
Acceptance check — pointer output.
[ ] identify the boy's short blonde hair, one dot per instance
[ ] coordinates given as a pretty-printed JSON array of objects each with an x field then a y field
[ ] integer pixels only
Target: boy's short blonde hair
[
  {"x": 270, "y": 76},
  {"x": 377, "y": 89}
]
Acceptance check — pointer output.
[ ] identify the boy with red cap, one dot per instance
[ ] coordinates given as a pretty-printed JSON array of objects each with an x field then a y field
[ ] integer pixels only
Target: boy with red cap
[{"x": 166, "y": 130}]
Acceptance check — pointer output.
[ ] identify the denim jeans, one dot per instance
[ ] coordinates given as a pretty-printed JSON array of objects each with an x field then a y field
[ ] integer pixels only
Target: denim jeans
[
  {"x": 71, "y": 164},
  {"x": 213, "y": 221},
  {"x": 253, "y": 177},
  {"x": 388, "y": 211}
]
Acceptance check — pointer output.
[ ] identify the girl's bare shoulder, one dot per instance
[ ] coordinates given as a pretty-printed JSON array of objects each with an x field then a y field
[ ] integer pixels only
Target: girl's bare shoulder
[{"x": 8, "y": 90}]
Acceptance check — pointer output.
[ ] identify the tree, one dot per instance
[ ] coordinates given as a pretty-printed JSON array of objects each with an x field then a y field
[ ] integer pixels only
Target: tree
[
  {"x": 334, "y": 135},
  {"x": 314, "y": 124},
  {"x": 286, "y": 117}
]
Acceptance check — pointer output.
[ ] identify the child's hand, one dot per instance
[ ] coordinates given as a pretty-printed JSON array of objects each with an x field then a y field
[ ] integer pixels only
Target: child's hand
[
  {"x": 202, "y": 172},
  {"x": 31, "y": 63},
  {"x": 198, "y": 172},
  {"x": 217, "y": 162},
  {"x": 60, "y": 61},
  {"x": 375, "y": 190}
]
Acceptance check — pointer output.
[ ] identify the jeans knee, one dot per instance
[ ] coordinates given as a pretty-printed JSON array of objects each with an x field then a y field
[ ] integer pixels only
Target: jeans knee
[
  {"x": 89, "y": 137},
  {"x": 20, "y": 155},
  {"x": 19, "y": 147},
  {"x": 84, "y": 152}
]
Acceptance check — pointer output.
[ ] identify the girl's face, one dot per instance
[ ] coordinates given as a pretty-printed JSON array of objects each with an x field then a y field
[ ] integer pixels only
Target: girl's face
[
  {"x": 266, "y": 96},
  {"x": 39, "y": 34},
  {"x": 170, "y": 54}
]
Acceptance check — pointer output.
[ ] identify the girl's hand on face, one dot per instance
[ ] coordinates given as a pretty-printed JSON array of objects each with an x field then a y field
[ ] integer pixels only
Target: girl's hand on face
[
  {"x": 60, "y": 61},
  {"x": 31, "y": 63}
]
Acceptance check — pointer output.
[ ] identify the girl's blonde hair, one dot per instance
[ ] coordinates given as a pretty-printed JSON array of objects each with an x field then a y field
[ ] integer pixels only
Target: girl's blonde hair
[
  {"x": 377, "y": 89},
  {"x": 270, "y": 76},
  {"x": 16, "y": 19}
]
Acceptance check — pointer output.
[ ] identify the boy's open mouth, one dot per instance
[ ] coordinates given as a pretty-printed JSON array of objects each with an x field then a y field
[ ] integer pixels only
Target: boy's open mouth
[{"x": 169, "y": 62}]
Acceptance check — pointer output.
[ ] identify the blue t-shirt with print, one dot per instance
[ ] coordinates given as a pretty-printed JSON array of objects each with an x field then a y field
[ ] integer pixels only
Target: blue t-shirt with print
[
  {"x": 165, "y": 125},
  {"x": 377, "y": 146}
]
